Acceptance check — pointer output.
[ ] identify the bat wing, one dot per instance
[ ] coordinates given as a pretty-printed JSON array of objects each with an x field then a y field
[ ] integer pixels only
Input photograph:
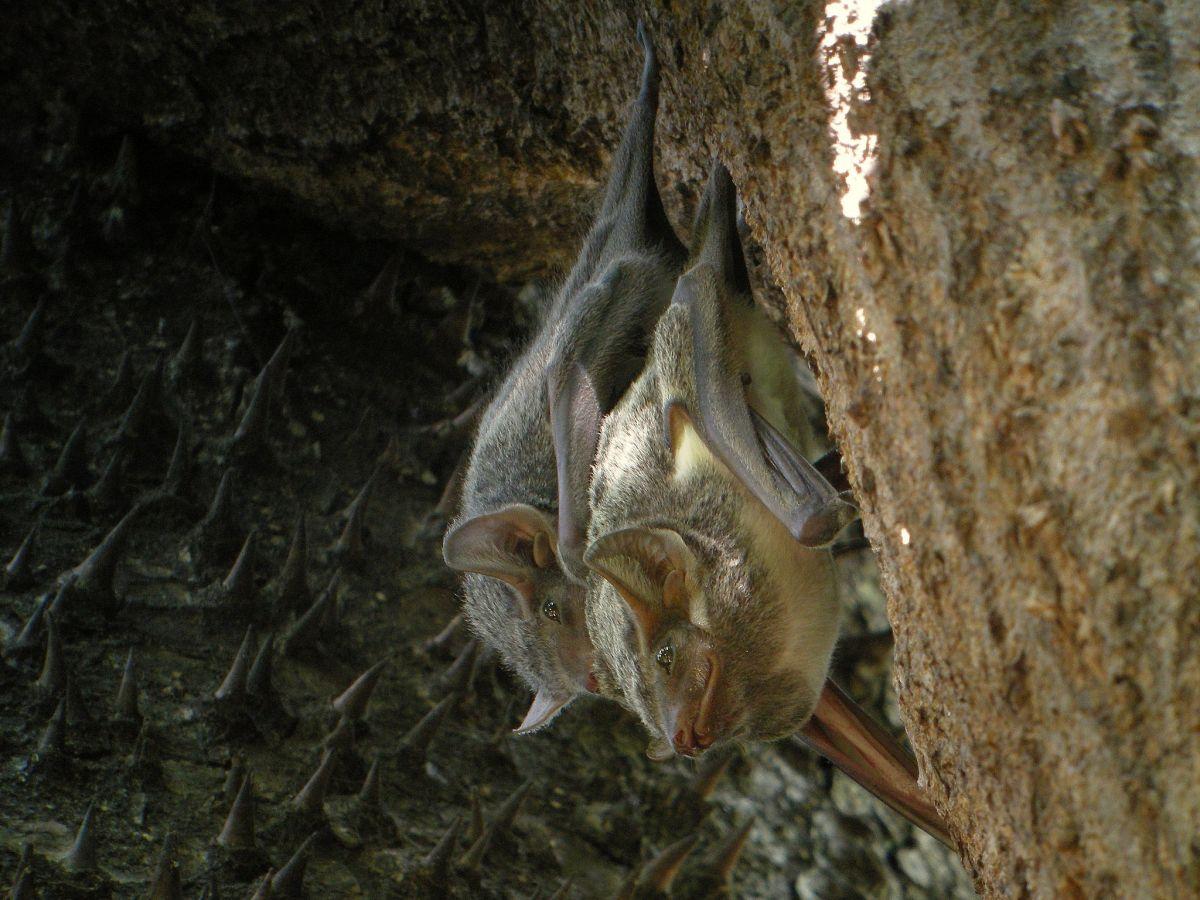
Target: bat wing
[{"x": 757, "y": 454}]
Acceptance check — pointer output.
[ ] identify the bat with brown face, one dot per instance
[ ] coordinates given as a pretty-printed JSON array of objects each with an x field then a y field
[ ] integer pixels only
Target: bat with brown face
[
  {"x": 715, "y": 611},
  {"x": 520, "y": 596}
]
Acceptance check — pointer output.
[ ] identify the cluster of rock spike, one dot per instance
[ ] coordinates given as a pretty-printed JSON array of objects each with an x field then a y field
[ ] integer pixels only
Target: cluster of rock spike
[{"x": 133, "y": 415}]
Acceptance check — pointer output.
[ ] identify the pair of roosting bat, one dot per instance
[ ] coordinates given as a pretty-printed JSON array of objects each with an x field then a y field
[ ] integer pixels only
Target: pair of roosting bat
[{"x": 637, "y": 520}]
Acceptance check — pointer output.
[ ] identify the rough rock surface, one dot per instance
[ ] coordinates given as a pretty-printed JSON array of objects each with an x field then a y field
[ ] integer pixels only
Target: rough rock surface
[{"x": 1005, "y": 338}]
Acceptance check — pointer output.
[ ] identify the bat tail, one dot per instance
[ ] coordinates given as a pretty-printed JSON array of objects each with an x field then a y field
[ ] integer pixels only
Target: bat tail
[{"x": 715, "y": 239}]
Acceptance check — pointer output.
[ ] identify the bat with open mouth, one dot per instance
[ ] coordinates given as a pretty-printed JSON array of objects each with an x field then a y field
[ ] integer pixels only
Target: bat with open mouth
[
  {"x": 523, "y": 592},
  {"x": 713, "y": 609}
]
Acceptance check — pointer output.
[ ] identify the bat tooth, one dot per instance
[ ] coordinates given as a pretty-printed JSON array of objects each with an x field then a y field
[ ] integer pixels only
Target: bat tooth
[
  {"x": 53, "y": 677},
  {"x": 178, "y": 477},
  {"x": 437, "y": 861},
  {"x": 370, "y": 794},
  {"x": 121, "y": 392},
  {"x": 187, "y": 360},
  {"x": 93, "y": 578},
  {"x": 293, "y": 592},
  {"x": 342, "y": 735},
  {"x": 457, "y": 678},
  {"x": 29, "y": 637},
  {"x": 312, "y": 795},
  {"x": 83, "y": 853},
  {"x": 12, "y": 458},
  {"x": 238, "y": 585},
  {"x": 709, "y": 773},
  {"x": 476, "y": 829},
  {"x": 506, "y": 815},
  {"x": 660, "y": 871},
  {"x": 106, "y": 493},
  {"x": 19, "y": 571},
  {"x": 264, "y": 891},
  {"x": 250, "y": 436},
  {"x": 725, "y": 858},
  {"x": 258, "y": 682},
  {"x": 126, "y": 707},
  {"x": 166, "y": 884},
  {"x": 70, "y": 470},
  {"x": 289, "y": 881},
  {"x": 380, "y": 294},
  {"x": 233, "y": 687},
  {"x": 352, "y": 702},
  {"x": 238, "y": 830},
  {"x": 29, "y": 342},
  {"x": 441, "y": 641},
  {"x": 419, "y": 737},
  {"x": 308, "y": 629},
  {"x": 54, "y": 737}
]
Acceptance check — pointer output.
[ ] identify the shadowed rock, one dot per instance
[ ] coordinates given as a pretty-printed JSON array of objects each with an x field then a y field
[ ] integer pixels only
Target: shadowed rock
[
  {"x": 165, "y": 884},
  {"x": 77, "y": 710},
  {"x": 457, "y": 678},
  {"x": 18, "y": 574},
  {"x": 92, "y": 579},
  {"x": 342, "y": 735},
  {"x": 352, "y": 702},
  {"x": 70, "y": 470},
  {"x": 238, "y": 830},
  {"x": 440, "y": 642},
  {"x": 506, "y": 815},
  {"x": 233, "y": 687},
  {"x": 380, "y": 295},
  {"x": 331, "y": 610},
  {"x": 371, "y": 794},
  {"x": 477, "y": 823},
  {"x": 12, "y": 458},
  {"x": 312, "y": 795},
  {"x": 289, "y": 881},
  {"x": 106, "y": 494},
  {"x": 307, "y": 630},
  {"x": 179, "y": 471},
  {"x": 28, "y": 638},
  {"x": 292, "y": 592},
  {"x": 53, "y": 677},
  {"x": 709, "y": 772},
  {"x": 350, "y": 544},
  {"x": 122, "y": 179},
  {"x": 563, "y": 891},
  {"x": 258, "y": 682},
  {"x": 23, "y": 873},
  {"x": 121, "y": 391},
  {"x": 27, "y": 412},
  {"x": 473, "y": 858},
  {"x": 126, "y": 707},
  {"x": 28, "y": 343},
  {"x": 16, "y": 250},
  {"x": 83, "y": 853},
  {"x": 418, "y": 738},
  {"x": 216, "y": 538}
]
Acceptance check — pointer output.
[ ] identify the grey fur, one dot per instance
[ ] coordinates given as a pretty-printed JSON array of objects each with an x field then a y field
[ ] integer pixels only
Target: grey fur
[{"x": 599, "y": 323}]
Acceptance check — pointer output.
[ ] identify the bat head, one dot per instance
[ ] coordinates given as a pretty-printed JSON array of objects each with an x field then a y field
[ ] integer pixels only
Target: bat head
[
  {"x": 524, "y": 605},
  {"x": 720, "y": 653}
]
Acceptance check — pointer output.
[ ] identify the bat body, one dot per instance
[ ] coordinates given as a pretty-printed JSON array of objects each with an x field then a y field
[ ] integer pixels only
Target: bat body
[{"x": 523, "y": 591}]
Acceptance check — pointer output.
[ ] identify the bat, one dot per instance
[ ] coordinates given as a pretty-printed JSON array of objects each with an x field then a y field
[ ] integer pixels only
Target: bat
[
  {"x": 713, "y": 607},
  {"x": 524, "y": 591}
]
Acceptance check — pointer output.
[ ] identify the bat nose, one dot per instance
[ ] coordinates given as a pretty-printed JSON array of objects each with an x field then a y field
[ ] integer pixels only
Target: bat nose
[
  {"x": 593, "y": 684},
  {"x": 689, "y": 743}
]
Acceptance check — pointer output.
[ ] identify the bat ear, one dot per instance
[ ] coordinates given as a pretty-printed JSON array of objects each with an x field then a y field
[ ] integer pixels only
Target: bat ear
[
  {"x": 715, "y": 238},
  {"x": 652, "y": 569},
  {"x": 511, "y": 544}
]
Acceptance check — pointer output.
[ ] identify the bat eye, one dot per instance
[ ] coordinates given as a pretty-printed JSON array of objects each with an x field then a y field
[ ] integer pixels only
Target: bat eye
[
  {"x": 550, "y": 610},
  {"x": 665, "y": 657}
]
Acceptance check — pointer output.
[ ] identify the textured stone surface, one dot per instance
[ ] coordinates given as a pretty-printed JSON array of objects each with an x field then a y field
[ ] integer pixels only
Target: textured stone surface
[{"x": 1022, "y": 428}]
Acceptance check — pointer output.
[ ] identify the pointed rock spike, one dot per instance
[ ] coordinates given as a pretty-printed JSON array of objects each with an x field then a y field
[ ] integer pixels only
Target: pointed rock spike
[
  {"x": 563, "y": 891},
  {"x": 629, "y": 886},
  {"x": 507, "y": 813},
  {"x": 166, "y": 884},
  {"x": 123, "y": 179},
  {"x": 62, "y": 594},
  {"x": 342, "y": 735},
  {"x": 238, "y": 830},
  {"x": 134, "y": 417},
  {"x": 473, "y": 858},
  {"x": 179, "y": 470},
  {"x": 29, "y": 341},
  {"x": 93, "y": 578},
  {"x": 660, "y": 871},
  {"x": 239, "y": 583},
  {"x": 121, "y": 391},
  {"x": 709, "y": 773},
  {"x": 381, "y": 293},
  {"x": 437, "y": 861},
  {"x": 312, "y": 796},
  {"x": 477, "y": 825},
  {"x": 371, "y": 794},
  {"x": 143, "y": 748},
  {"x": 258, "y": 682},
  {"x": 350, "y": 544},
  {"x": 216, "y": 538},
  {"x": 233, "y": 687},
  {"x": 19, "y": 571},
  {"x": 22, "y": 887},
  {"x": 419, "y": 737},
  {"x": 15, "y": 251},
  {"x": 264, "y": 891},
  {"x": 220, "y": 511},
  {"x": 233, "y": 779},
  {"x": 293, "y": 580},
  {"x": 725, "y": 858},
  {"x": 289, "y": 881},
  {"x": 82, "y": 855},
  {"x": 106, "y": 493},
  {"x": 352, "y": 702},
  {"x": 54, "y": 738},
  {"x": 71, "y": 469},
  {"x": 441, "y": 641},
  {"x": 212, "y": 888},
  {"x": 126, "y": 707},
  {"x": 12, "y": 458},
  {"x": 53, "y": 678},
  {"x": 308, "y": 629},
  {"x": 30, "y": 634},
  {"x": 251, "y": 433},
  {"x": 187, "y": 360},
  {"x": 457, "y": 678},
  {"x": 331, "y": 616},
  {"x": 276, "y": 366}
]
